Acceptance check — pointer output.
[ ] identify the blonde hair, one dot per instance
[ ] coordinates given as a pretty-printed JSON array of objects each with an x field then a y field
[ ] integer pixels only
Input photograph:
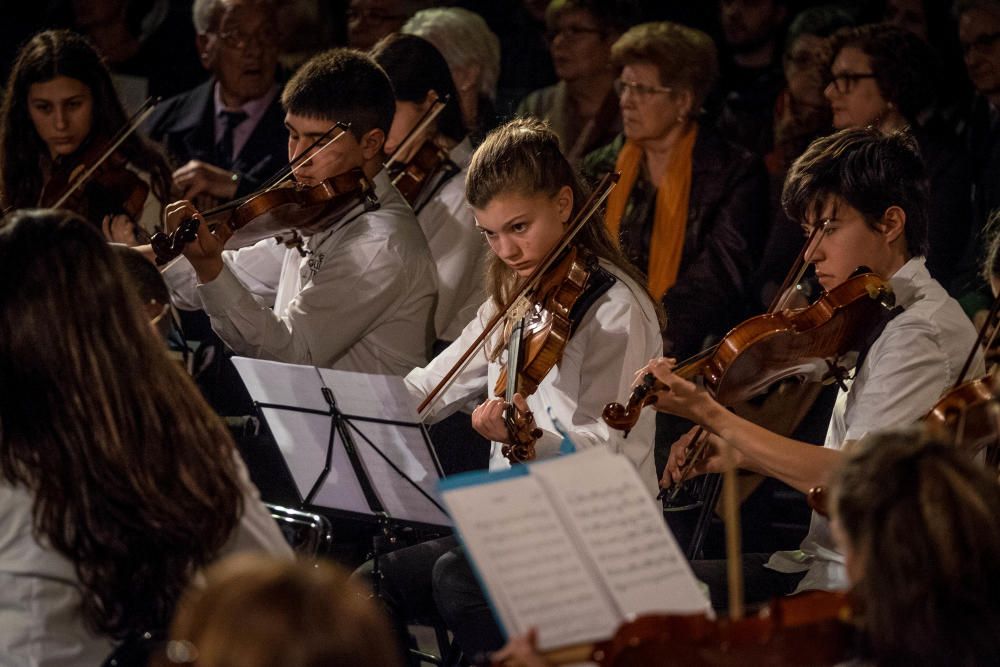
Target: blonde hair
[
  {"x": 258, "y": 611},
  {"x": 463, "y": 38}
]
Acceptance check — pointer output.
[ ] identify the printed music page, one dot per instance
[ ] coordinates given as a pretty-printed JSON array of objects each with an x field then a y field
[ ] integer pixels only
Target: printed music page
[
  {"x": 623, "y": 531},
  {"x": 527, "y": 561},
  {"x": 572, "y": 546}
]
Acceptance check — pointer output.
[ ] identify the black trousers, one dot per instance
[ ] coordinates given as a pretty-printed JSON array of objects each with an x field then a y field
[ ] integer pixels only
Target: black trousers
[
  {"x": 759, "y": 583},
  {"x": 433, "y": 582}
]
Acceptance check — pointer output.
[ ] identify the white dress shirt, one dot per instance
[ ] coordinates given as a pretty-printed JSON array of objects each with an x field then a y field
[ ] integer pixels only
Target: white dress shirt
[
  {"x": 618, "y": 335},
  {"x": 458, "y": 249},
  {"x": 916, "y": 359},
  {"x": 40, "y": 620},
  {"x": 361, "y": 300}
]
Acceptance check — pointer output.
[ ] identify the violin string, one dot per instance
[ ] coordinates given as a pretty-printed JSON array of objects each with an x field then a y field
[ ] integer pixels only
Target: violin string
[
  {"x": 286, "y": 171},
  {"x": 129, "y": 128},
  {"x": 294, "y": 169}
]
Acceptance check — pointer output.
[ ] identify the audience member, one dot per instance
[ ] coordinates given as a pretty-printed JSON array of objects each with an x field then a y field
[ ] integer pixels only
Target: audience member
[
  {"x": 227, "y": 133},
  {"x": 979, "y": 32},
  {"x": 690, "y": 210},
  {"x": 368, "y": 21},
  {"x": 581, "y": 108},
  {"x": 751, "y": 76},
  {"x": 472, "y": 52}
]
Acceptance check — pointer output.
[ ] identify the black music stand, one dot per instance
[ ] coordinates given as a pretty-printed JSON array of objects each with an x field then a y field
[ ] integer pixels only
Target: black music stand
[{"x": 350, "y": 441}]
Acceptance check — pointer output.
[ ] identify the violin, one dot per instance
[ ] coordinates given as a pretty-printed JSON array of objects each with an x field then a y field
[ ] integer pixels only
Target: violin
[
  {"x": 292, "y": 206},
  {"x": 817, "y": 343},
  {"x": 112, "y": 188},
  {"x": 811, "y": 628},
  {"x": 542, "y": 309},
  {"x": 537, "y": 341},
  {"x": 95, "y": 181},
  {"x": 412, "y": 176}
]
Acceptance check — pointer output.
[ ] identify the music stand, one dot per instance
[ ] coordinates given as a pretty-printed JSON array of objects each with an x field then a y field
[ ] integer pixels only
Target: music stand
[{"x": 350, "y": 441}]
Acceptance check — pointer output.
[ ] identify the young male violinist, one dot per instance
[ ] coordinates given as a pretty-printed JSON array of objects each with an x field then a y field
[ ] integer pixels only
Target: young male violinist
[
  {"x": 359, "y": 295},
  {"x": 868, "y": 191}
]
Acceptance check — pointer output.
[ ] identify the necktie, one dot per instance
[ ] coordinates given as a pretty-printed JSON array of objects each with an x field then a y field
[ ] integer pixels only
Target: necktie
[{"x": 224, "y": 149}]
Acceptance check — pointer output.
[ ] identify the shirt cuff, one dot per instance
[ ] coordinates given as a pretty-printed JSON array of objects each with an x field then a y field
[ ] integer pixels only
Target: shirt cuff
[{"x": 219, "y": 294}]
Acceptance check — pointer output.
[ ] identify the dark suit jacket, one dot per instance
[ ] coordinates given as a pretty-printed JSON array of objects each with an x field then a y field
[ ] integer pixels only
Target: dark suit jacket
[{"x": 185, "y": 125}]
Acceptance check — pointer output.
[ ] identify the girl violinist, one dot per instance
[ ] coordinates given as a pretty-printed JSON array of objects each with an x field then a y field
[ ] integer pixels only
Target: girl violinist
[
  {"x": 523, "y": 193},
  {"x": 58, "y": 116},
  {"x": 429, "y": 168}
]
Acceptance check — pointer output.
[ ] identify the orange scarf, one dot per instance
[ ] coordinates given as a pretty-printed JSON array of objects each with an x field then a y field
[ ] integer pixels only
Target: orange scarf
[{"x": 670, "y": 218}]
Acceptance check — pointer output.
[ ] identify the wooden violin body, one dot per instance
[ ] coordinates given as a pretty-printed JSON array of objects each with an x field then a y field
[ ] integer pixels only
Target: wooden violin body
[
  {"x": 968, "y": 415},
  {"x": 294, "y": 207},
  {"x": 111, "y": 189},
  {"x": 809, "y": 629},
  {"x": 412, "y": 176},
  {"x": 818, "y": 343},
  {"x": 546, "y": 330}
]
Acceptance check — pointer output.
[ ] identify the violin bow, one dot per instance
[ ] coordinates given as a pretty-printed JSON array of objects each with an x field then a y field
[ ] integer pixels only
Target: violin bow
[
  {"x": 124, "y": 133},
  {"x": 285, "y": 172},
  {"x": 590, "y": 206},
  {"x": 433, "y": 111},
  {"x": 981, "y": 340}
]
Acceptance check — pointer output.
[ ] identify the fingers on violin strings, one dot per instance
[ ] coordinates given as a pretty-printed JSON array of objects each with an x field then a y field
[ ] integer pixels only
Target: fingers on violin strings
[{"x": 521, "y": 404}]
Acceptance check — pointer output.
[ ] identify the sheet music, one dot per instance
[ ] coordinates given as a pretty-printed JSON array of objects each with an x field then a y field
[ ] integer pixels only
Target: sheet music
[
  {"x": 529, "y": 564},
  {"x": 624, "y": 533},
  {"x": 407, "y": 449},
  {"x": 371, "y": 396}
]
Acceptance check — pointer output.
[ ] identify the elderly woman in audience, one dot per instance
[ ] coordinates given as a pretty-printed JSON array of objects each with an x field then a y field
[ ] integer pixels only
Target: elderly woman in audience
[
  {"x": 690, "y": 210},
  {"x": 117, "y": 481},
  {"x": 884, "y": 76},
  {"x": 581, "y": 108},
  {"x": 472, "y": 52}
]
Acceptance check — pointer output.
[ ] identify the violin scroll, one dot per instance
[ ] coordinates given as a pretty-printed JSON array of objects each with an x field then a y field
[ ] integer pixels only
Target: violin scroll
[
  {"x": 523, "y": 431},
  {"x": 625, "y": 417}
]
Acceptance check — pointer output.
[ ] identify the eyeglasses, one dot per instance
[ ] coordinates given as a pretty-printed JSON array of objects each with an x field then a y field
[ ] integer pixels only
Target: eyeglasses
[
  {"x": 571, "y": 32},
  {"x": 640, "y": 90},
  {"x": 845, "y": 81},
  {"x": 981, "y": 43},
  {"x": 236, "y": 39}
]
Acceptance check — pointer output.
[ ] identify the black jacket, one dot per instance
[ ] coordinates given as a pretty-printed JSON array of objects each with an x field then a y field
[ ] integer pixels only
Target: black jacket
[
  {"x": 726, "y": 229},
  {"x": 185, "y": 125}
]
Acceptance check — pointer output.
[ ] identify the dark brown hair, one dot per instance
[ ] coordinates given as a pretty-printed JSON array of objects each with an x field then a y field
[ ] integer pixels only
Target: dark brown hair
[
  {"x": 924, "y": 519},
  {"x": 256, "y": 611},
  {"x": 868, "y": 169},
  {"x": 905, "y": 67},
  {"x": 133, "y": 477},
  {"x": 342, "y": 85},
  {"x": 44, "y": 57}
]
